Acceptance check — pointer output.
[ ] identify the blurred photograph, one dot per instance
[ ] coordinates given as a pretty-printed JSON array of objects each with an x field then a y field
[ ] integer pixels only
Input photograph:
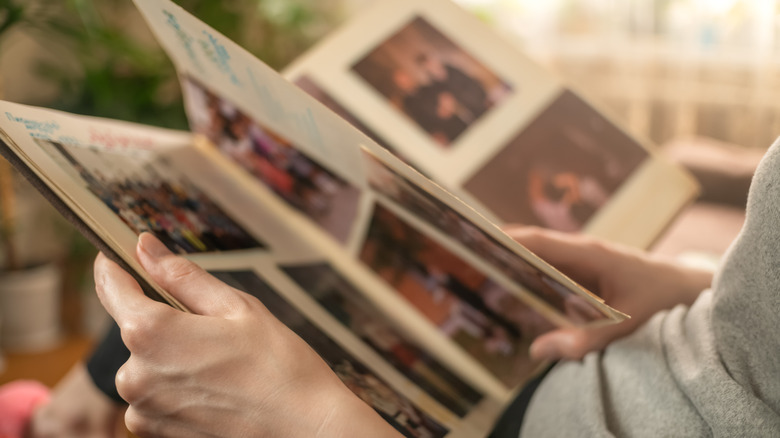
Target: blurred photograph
[
  {"x": 487, "y": 321},
  {"x": 390, "y": 405},
  {"x": 560, "y": 169},
  {"x": 431, "y": 80},
  {"x": 149, "y": 195},
  {"x": 432, "y": 210},
  {"x": 302, "y": 183},
  {"x": 354, "y": 311}
]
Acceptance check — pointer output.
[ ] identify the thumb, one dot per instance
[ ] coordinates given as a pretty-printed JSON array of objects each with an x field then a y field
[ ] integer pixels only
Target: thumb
[
  {"x": 187, "y": 282},
  {"x": 575, "y": 343},
  {"x": 122, "y": 297},
  {"x": 580, "y": 257}
]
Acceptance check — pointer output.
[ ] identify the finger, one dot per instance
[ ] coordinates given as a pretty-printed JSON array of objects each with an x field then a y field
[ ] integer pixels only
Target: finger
[
  {"x": 121, "y": 295},
  {"x": 139, "y": 424},
  {"x": 186, "y": 281},
  {"x": 144, "y": 423},
  {"x": 553, "y": 246},
  {"x": 582, "y": 258},
  {"x": 575, "y": 343}
]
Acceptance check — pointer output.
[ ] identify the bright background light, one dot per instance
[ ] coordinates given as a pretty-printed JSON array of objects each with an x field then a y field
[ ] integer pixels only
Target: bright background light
[{"x": 669, "y": 68}]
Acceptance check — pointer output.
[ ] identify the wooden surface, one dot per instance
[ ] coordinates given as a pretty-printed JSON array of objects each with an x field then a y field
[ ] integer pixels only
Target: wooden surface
[
  {"x": 50, "y": 366},
  {"x": 47, "y": 367}
]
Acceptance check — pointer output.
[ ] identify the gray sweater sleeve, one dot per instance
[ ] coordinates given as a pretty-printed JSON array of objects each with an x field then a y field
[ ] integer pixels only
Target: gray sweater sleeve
[{"x": 709, "y": 370}]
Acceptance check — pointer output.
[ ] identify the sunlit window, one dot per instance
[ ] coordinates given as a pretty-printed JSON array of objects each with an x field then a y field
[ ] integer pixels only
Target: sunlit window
[{"x": 669, "y": 68}]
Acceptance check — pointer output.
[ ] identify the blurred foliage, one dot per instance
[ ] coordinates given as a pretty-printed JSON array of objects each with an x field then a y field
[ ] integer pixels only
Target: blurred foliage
[
  {"x": 10, "y": 15},
  {"x": 107, "y": 64},
  {"x": 118, "y": 73}
]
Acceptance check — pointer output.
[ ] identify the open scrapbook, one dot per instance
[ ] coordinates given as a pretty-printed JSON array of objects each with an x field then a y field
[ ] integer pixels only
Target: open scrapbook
[{"x": 365, "y": 217}]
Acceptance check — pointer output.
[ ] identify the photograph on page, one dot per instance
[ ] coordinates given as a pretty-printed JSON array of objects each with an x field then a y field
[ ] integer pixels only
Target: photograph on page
[
  {"x": 474, "y": 311},
  {"x": 434, "y": 211},
  {"x": 431, "y": 80},
  {"x": 324, "y": 197},
  {"x": 560, "y": 170},
  {"x": 150, "y": 195},
  {"x": 352, "y": 309}
]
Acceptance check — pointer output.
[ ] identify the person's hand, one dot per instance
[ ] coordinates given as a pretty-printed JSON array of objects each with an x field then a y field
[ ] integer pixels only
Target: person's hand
[
  {"x": 229, "y": 370},
  {"x": 77, "y": 409},
  {"x": 630, "y": 281}
]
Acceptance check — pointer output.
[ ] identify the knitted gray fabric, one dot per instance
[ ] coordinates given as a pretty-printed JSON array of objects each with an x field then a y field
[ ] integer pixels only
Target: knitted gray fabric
[{"x": 709, "y": 370}]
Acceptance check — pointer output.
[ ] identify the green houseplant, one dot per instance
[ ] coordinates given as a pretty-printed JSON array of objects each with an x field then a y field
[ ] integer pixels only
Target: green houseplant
[
  {"x": 123, "y": 74},
  {"x": 29, "y": 287},
  {"x": 10, "y": 16}
]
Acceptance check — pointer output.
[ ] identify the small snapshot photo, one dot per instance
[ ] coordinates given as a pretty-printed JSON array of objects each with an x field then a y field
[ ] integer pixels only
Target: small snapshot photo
[
  {"x": 431, "y": 80},
  {"x": 560, "y": 170},
  {"x": 392, "y": 406},
  {"x": 302, "y": 183},
  {"x": 483, "y": 318},
  {"x": 426, "y": 206},
  {"x": 355, "y": 312},
  {"x": 150, "y": 195}
]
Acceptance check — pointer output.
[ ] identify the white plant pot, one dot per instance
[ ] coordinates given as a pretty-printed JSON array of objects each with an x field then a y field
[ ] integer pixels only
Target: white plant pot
[{"x": 30, "y": 309}]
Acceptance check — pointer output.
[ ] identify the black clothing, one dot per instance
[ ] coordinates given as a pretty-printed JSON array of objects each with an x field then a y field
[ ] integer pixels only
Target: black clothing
[
  {"x": 467, "y": 91},
  {"x": 106, "y": 360}
]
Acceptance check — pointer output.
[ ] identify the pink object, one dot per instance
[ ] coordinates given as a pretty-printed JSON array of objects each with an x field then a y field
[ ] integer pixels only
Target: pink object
[{"x": 18, "y": 400}]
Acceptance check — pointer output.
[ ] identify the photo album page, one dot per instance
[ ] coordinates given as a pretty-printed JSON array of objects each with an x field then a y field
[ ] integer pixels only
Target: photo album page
[
  {"x": 417, "y": 301},
  {"x": 122, "y": 179},
  {"x": 449, "y": 96}
]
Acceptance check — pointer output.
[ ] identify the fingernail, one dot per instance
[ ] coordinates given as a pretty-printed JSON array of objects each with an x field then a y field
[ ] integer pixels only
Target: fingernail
[{"x": 152, "y": 246}]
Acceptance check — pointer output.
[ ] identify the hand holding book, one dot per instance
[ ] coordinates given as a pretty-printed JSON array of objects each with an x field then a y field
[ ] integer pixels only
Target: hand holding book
[
  {"x": 269, "y": 383},
  {"x": 631, "y": 280},
  {"x": 227, "y": 369},
  {"x": 414, "y": 299}
]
